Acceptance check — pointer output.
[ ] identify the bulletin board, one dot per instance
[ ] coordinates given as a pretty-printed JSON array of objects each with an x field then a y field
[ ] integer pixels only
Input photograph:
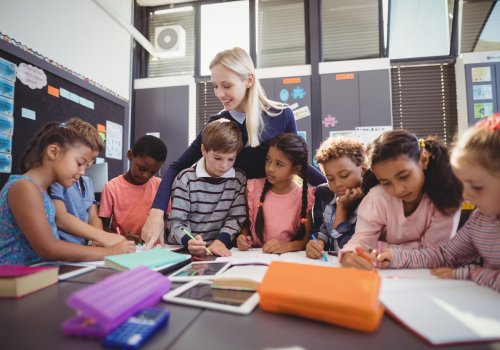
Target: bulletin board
[
  {"x": 483, "y": 90},
  {"x": 34, "y": 92}
]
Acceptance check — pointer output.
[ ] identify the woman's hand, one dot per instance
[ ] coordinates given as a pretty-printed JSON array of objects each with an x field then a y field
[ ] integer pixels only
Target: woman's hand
[
  {"x": 314, "y": 249},
  {"x": 443, "y": 272},
  {"x": 218, "y": 248},
  {"x": 153, "y": 229},
  {"x": 244, "y": 242},
  {"x": 275, "y": 247}
]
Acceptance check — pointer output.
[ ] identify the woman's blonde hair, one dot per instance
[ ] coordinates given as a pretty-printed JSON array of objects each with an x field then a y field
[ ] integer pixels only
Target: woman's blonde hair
[
  {"x": 480, "y": 145},
  {"x": 238, "y": 60}
]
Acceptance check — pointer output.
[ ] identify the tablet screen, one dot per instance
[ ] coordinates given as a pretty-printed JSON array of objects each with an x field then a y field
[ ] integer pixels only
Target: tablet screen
[
  {"x": 200, "y": 269},
  {"x": 203, "y": 292}
]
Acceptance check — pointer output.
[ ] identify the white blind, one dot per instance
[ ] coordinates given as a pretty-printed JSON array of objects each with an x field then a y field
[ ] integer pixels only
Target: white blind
[
  {"x": 280, "y": 33},
  {"x": 350, "y": 29}
]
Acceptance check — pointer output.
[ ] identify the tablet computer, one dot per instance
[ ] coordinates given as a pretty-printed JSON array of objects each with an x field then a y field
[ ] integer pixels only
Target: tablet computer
[
  {"x": 199, "y": 270},
  {"x": 200, "y": 293},
  {"x": 67, "y": 270}
]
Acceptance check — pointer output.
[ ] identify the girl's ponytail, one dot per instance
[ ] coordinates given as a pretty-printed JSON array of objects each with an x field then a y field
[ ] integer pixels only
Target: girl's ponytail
[{"x": 441, "y": 184}]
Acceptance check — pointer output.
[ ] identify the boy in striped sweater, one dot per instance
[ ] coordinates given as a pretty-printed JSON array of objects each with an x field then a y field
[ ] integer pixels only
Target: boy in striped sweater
[
  {"x": 474, "y": 252},
  {"x": 208, "y": 199}
]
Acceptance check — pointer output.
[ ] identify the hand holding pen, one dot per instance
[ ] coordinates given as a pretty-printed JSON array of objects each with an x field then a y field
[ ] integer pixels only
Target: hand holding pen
[{"x": 196, "y": 244}]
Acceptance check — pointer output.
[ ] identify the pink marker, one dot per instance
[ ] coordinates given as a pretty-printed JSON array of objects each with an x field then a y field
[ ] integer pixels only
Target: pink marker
[{"x": 379, "y": 251}]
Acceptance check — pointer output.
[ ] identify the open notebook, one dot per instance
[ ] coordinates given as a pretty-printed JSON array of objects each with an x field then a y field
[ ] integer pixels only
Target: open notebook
[
  {"x": 443, "y": 311},
  {"x": 256, "y": 256}
]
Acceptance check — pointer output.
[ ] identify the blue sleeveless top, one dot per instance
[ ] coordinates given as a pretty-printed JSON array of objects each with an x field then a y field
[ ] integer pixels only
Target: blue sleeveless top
[{"x": 14, "y": 247}]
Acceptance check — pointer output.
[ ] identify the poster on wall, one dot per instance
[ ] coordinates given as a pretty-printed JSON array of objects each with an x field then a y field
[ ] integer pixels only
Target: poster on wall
[
  {"x": 482, "y": 92},
  {"x": 7, "y": 84},
  {"x": 480, "y": 74},
  {"x": 114, "y": 137},
  {"x": 483, "y": 110},
  {"x": 369, "y": 133}
]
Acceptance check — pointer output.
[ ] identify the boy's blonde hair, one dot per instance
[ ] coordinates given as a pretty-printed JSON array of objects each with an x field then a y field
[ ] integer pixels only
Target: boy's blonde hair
[
  {"x": 222, "y": 135},
  {"x": 88, "y": 131},
  {"x": 337, "y": 147},
  {"x": 238, "y": 60},
  {"x": 480, "y": 145}
]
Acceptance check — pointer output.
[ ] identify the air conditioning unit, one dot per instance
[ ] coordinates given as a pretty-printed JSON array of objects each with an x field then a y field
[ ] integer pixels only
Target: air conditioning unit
[{"x": 170, "y": 41}]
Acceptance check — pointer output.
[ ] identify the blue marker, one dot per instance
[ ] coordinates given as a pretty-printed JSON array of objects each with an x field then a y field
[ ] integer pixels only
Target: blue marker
[{"x": 323, "y": 255}]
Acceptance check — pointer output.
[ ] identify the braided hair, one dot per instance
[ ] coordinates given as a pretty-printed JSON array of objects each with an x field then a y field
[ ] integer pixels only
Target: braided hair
[
  {"x": 52, "y": 133},
  {"x": 295, "y": 149}
]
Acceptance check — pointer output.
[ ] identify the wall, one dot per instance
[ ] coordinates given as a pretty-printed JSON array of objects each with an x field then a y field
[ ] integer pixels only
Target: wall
[{"x": 76, "y": 34}]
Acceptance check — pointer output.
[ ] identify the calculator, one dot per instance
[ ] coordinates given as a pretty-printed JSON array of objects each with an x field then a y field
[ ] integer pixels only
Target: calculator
[{"x": 134, "y": 332}]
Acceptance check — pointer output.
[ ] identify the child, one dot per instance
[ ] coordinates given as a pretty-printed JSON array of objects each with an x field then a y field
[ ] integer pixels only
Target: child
[
  {"x": 279, "y": 209},
  {"x": 476, "y": 162},
  {"x": 75, "y": 206},
  {"x": 127, "y": 198},
  {"x": 236, "y": 85},
  {"x": 209, "y": 199},
  {"x": 342, "y": 160},
  {"x": 29, "y": 233},
  {"x": 416, "y": 202}
]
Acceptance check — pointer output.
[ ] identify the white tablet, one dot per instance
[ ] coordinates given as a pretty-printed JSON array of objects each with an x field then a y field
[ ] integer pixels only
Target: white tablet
[
  {"x": 199, "y": 270},
  {"x": 67, "y": 270},
  {"x": 200, "y": 293}
]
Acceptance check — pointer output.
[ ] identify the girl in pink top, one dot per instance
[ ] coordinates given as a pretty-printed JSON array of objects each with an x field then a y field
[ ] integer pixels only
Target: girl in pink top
[
  {"x": 279, "y": 209},
  {"x": 415, "y": 203},
  {"x": 476, "y": 162}
]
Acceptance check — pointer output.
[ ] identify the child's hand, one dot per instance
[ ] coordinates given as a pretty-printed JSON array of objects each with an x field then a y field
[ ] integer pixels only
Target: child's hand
[
  {"x": 107, "y": 239},
  {"x": 384, "y": 258},
  {"x": 244, "y": 242},
  {"x": 351, "y": 259},
  {"x": 351, "y": 196},
  {"x": 314, "y": 249},
  {"x": 197, "y": 246},
  {"x": 122, "y": 247},
  {"x": 218, "y": 248},
  {"x": 131, "y": 237},
  {"x": 275, "y": 247},
  {"x": 443, "y": 272}
]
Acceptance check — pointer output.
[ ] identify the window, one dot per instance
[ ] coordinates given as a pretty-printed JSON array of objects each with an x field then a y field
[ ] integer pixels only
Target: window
[
  {"x": 175, "y": 29},
  {"x": 419, "y": 28},
  {"x": 280, "y": 33},
  {"x": 350, "y": 29},
  {"x": 424, "y": 100},
  {"x": 480, "y": 26},
  {"x": 223, "y": 26}
]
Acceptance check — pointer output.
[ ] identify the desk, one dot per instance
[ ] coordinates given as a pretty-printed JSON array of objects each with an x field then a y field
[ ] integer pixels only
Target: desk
[{"x": 34, "y": 322}]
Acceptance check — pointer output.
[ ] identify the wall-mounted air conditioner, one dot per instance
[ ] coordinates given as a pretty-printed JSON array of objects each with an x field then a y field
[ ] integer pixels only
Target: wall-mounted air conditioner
[{"x": 170, "y": 41}]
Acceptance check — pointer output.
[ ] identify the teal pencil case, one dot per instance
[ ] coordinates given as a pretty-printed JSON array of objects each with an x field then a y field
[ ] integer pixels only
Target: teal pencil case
[{"x": 105, "y": 305}]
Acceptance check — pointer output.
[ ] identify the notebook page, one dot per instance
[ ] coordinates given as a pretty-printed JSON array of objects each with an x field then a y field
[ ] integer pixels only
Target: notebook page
[{"x": 444, "y": 311}]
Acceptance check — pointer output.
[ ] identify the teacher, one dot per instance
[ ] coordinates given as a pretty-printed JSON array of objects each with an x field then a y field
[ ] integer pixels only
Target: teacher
[{"x": 259, "y": 119}]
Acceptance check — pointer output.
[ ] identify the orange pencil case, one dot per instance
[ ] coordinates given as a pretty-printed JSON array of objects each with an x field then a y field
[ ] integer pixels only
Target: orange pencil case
[{"x": 344, "y": 297}]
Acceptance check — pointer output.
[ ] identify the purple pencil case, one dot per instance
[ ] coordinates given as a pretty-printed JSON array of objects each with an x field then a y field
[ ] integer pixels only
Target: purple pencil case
[{"x": 105, "y": 305}]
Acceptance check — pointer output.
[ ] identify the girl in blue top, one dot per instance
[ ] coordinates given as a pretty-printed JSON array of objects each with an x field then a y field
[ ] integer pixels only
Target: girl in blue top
[
  {"x": 259, "y": 119},
  {"x": 29, "y": 233}
]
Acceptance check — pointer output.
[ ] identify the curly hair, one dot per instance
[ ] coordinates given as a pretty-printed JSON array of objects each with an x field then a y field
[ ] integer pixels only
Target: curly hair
[{"x": 337, "y": 147}]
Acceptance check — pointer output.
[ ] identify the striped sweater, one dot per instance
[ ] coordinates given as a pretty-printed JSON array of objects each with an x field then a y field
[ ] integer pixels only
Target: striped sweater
[
  {"x": 478, "y": 238},
  {"x": 214, "y": 208}
]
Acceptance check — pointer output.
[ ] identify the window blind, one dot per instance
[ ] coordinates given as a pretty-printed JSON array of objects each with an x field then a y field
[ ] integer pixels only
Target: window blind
[
  {"x": 280, "y": 33},
  {"x": 424, "y": 100},
  {"x": 177, "y": 65},
  {"x": 350, "y": 29},
  {"x": 208, "y": 104},
  {"x": 474, "y": 16}
]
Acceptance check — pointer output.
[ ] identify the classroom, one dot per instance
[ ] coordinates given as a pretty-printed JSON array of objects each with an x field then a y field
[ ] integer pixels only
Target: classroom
[{"x": 294, "y": 174}]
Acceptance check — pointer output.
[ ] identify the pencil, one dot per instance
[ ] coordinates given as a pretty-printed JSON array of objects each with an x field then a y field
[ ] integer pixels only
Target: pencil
[
  {"x": 323, "y": 254},
  {"x": 191, "y": 236}
]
